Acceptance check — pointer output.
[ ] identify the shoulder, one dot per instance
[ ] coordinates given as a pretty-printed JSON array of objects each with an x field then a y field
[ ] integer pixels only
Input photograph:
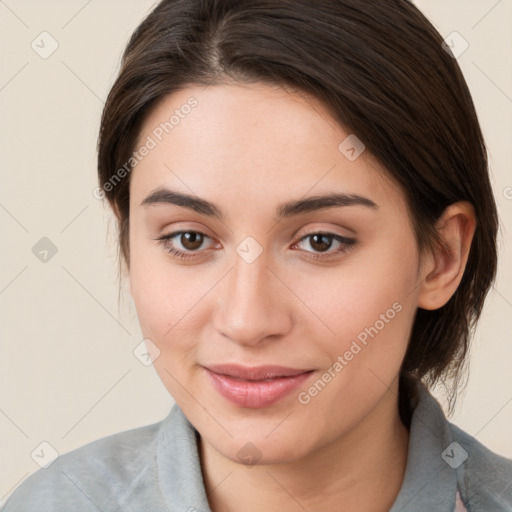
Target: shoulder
[
  {"x": 484, "y": 476},
  {"x": 97, "y": 476}
]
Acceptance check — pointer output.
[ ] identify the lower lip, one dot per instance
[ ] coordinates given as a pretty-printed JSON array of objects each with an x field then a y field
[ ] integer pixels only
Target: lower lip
[{"x": 255, "y": 394}]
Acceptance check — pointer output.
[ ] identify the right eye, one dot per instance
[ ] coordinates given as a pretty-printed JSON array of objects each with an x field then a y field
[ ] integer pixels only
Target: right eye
[{"x": 190, "y": 242}]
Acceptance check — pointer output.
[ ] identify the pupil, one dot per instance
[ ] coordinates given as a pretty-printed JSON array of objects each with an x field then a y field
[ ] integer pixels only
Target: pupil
[
  {"x": 324, "y": 244},
  {"x": 192, "y": 241}
]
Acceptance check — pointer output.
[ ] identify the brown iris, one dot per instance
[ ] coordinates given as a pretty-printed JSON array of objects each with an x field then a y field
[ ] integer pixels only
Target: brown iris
[
  {"x": 191, "y": 240},
  {"x": 320, "y": 242}
]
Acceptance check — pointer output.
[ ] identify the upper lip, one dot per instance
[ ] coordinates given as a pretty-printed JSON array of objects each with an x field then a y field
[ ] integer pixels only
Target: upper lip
[{"x": 254, "y": 372}]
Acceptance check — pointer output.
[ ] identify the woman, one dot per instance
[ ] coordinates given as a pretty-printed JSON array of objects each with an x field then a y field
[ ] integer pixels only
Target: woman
[{"x": 307, "y": 223}]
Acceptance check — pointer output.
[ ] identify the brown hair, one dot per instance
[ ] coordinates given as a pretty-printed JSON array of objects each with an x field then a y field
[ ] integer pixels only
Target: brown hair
[{"x": 384, "y": 75}]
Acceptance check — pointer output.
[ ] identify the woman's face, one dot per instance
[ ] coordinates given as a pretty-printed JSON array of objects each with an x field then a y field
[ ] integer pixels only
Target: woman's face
[{"x": 327, "y": 290}]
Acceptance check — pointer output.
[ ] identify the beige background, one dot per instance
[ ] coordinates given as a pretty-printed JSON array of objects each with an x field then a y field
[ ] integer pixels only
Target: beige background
[{"x": 68, "y": 375}]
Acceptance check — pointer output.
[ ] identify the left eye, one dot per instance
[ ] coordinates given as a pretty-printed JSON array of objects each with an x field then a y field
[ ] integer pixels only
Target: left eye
[{"x": 322, "y": 242}]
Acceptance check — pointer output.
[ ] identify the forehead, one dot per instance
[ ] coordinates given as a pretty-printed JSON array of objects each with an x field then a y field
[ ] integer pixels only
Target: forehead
[{"x": 245, "y": 140}]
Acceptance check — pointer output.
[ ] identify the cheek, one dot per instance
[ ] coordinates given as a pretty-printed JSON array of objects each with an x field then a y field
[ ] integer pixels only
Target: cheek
[
  {"x": 368, "y": 302},
  {"x": 369, "y": 309},
  {"x": 161, "y": 294},
  {"x": 174, "y": 305},
  {"x": 165, "y": 302}
]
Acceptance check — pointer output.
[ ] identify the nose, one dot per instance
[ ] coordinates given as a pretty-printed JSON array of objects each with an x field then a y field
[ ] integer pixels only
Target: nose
[{"x": 252, "y": 304}]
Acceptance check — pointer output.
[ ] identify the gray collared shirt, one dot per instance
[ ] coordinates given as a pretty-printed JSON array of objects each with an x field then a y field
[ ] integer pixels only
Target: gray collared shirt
[{"x": 157, "y": 468}]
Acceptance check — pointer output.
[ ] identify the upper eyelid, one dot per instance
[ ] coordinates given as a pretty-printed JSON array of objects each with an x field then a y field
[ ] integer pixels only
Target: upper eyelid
[{"x": 172, "y": 234}]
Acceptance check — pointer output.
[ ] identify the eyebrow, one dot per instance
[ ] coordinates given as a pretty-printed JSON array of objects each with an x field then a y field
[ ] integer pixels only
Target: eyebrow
[{"x": 163, "y": 195}]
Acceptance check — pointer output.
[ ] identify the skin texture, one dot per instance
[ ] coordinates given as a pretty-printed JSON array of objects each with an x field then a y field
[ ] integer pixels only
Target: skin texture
[{"x": 249, "y": 148}]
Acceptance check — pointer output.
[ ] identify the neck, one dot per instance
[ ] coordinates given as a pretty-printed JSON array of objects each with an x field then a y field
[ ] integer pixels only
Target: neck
[{"x": 362, "y": 470}]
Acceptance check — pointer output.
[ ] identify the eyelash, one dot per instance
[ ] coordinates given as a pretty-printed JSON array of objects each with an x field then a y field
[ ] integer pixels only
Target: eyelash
[{"x": 346, "y": 244}]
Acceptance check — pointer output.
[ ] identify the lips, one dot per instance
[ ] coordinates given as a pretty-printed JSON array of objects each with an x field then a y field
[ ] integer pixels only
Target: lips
[
  {"x": 254, "y": 373},
  {"x": 255, "y": 387}
]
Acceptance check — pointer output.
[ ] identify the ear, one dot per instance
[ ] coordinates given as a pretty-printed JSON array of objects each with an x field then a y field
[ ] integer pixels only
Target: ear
[{"x": 443, "y": 270}]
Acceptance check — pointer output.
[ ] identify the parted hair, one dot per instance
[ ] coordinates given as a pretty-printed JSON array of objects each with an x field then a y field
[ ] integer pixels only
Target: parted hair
[{"x": 384, "y": 74}]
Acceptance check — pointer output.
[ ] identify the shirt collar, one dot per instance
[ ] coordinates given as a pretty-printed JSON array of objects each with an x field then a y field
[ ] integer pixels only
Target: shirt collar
[
  {"x": 179, "y": 468},
  {"x": 429, "y": 482}
]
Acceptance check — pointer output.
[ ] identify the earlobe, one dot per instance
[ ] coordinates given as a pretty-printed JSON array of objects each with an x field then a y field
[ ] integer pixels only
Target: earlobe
[{"x": 456, "y": 228}]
